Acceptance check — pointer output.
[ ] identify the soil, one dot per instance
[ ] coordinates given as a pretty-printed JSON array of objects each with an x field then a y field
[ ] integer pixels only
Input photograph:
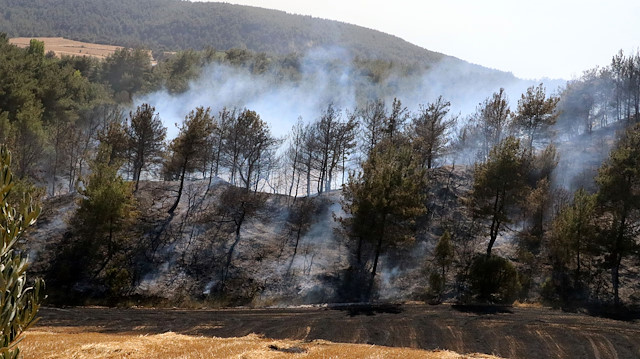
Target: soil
[
  {"x": 61, "y": 46},
  {"x": 508, "y": 332}
]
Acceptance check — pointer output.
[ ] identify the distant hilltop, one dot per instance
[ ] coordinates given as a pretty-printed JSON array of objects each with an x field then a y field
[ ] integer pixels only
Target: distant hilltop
[{"x": 173, "y": 25}]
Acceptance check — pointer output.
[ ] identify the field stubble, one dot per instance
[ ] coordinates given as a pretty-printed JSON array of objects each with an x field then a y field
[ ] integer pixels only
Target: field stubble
[{"x": 382, "y": 331}]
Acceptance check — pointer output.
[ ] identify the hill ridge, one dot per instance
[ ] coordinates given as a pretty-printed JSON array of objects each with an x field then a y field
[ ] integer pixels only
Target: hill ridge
[{"x": 180, "y": 25}]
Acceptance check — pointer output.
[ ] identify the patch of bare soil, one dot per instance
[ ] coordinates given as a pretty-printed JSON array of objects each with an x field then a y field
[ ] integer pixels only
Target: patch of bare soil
[
  {"x": 61, "y": 46},
  {"x": 505, "y": 332}
]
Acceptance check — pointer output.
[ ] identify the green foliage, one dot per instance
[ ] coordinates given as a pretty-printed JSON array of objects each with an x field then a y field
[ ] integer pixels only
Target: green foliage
[
  {"x": 493, "y": 279},
  {"x": 108, "y": 206},
  {"x": 571, "y": 248},
  {"x": 619, "y": 197},
  {"x": 18, "y": 300},
  {"x": 36, "y": 48},
  {"x": 499, "y": 185},
  {"x": 127, "y": 72},
  {"x": 41, "y": 98},
  {"x": 188, "y": 149},
  {"x": 431, "y": 130},
  {"x": 385, "y": 199},
  {"x": 103, "y": 228},
  {"x": 182, "y": 25},
  {"x": 180, "y": 69},
  {"x": 536, "y": 114},
  {"x": 146, "y": 136},
  {"x": 437, "y": 284}
]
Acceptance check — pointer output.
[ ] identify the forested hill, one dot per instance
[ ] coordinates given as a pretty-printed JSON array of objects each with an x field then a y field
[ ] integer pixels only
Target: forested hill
[{"x": 179, "y": 25}]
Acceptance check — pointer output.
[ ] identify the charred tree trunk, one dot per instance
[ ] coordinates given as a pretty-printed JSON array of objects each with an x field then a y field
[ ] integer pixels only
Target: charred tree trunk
[
  {"x": 377, "y": 256},
  {"x": 182, "y": 175},
  {"x": 495, "y": 224},
  {"x": 295, "y": 248},
  {"x": 238, "y": 222}
]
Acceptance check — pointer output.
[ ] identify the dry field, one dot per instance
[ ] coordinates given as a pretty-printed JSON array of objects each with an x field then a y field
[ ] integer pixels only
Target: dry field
[
  {"x": 65, "y": 343},
  {"x": 384, "y": 331},
  {"x": 61, "y": 46}
]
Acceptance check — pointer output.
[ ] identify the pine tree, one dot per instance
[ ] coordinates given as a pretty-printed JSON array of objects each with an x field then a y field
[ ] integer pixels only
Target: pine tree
[
  {"x": 106, "y": 213},
  {"x": 499, "y": 185},
  {"x": 619, "y": 197},
  {"x": 146, "y": 139},
  {"x": 430, "y": 130},
  {"x": 536, "y": 114},
  {"x": 385, "y": 199},
  {"x": 572, "y": 237},
  {"x": 188, "y": 149},
  {"x": 19, "y": 301}
]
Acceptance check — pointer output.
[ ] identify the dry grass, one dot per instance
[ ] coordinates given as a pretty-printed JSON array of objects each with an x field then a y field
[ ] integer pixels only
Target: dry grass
[
  {"x": 64, "y": 342},
  {"x": 518, "y": 304},
  {"x": 61, "y": 46}
]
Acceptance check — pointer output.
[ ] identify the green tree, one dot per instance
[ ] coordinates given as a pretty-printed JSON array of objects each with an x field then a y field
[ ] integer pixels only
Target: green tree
[
  {"x": 384, "y": 199},
  {"x": 619, "y": 197},
  {"x": 443, "y": 253},
  {"x": 536, "y": 114},
  {"x": 28, "y": 140},
  {"x": 443, "y": 256},
  {"x": 492, "y": 118},
  {"x": 106, "y": 213},
  {"x": 499, "y": 185},
  {"x": 36, "y": 47},
  {"x": 571, "y": 240},
  {"x": 189, "y": 148},
  {"x": 430, "y": 130},
  {"x": 114, "y": 138},
  {"x": 127, "y": 72},
  {"x": 19, "y": 301},
  {"x": 146, "y": 139},
  {"x": 255, "y": 147}
]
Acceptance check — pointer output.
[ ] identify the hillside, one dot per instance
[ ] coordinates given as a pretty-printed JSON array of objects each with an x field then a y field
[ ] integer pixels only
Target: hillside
[{"x": 179, "y": 25}]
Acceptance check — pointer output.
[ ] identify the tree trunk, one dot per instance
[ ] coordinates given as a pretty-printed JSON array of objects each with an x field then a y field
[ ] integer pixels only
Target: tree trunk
[
  {"x": 308, "y": 180},
  {"x": 375, "y": 265},
  {"x": 377, "y": 256},
  {"x": 615, "y": 280},
  {"x": 182, "y": 175},
  {"x": 295, "y": 248},
  {"x": 495, "y": 225},
  {"x": 239, "y": 222}
]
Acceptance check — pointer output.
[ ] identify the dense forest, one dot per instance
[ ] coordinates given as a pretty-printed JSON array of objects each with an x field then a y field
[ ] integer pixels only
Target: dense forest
[
  {"x": 172, "y": 25},
  {"x": 532, "y": 200}
]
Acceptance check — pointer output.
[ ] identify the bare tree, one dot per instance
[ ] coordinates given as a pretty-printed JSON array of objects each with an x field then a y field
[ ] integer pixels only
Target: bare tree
[{"x": 372, "y": 118}]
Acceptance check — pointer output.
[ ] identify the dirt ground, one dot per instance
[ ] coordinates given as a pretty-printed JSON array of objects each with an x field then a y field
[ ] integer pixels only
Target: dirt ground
[
  {"x": 62, "y": 46},
  {"x": 505, "y": 332}
]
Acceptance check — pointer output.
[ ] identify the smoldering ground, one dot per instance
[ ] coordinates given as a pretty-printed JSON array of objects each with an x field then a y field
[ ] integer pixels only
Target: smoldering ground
[{"x": 328, "y": 75}]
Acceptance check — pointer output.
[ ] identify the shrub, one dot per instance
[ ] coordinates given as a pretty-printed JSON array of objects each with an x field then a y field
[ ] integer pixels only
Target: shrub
[
  {"x": 18, "y": 300},
  {"x": 493, "y": 279}
]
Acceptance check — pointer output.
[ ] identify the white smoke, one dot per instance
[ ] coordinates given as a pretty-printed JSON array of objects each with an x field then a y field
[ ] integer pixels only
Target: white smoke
[{"x": 328, "y": 76}]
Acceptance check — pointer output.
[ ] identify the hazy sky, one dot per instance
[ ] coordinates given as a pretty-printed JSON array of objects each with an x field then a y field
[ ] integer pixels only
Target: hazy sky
[{"x": 532, "y": 39}]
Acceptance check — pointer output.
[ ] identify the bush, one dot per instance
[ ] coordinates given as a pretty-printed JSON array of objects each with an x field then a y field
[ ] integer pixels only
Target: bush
[
  {"x": 493, "y": 279},
  {"x": 18, "y": 300},
  {"x": 436, "y": 287}
]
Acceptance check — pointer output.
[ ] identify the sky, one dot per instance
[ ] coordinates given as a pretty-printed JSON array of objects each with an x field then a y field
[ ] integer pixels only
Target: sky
[{"x": 532, "y": 39}]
